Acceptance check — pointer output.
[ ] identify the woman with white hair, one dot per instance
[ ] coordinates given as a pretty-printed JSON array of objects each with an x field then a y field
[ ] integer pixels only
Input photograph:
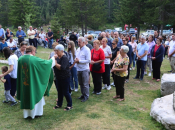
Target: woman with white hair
[
  {"x": 120, "y": 69},
  {"x": 63, "y": 78}
]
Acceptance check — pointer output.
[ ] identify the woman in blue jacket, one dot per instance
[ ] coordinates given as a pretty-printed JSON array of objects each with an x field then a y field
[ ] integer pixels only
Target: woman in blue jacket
[{"x": 157, "y": 58}]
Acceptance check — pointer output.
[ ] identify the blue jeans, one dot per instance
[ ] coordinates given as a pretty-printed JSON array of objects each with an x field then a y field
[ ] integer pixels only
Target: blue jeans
[
  {"x": 75, "y": 77},
  {"x": 45, "y": 43},
  {"x": 133, "y": 60},
  {"x": 50, "y": 43},
  {"x": 140, "y": 66}
]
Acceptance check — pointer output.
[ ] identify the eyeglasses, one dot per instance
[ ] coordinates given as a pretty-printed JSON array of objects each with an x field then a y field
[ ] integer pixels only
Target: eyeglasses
[
  {"x": 123, "y": 40},
  {"x": 113, "y": 43}
]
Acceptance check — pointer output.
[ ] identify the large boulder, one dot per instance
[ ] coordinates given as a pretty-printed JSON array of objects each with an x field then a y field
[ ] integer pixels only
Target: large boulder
[
  {"x": 162, "y": 111},
  {"x": 167, "y": 84}
]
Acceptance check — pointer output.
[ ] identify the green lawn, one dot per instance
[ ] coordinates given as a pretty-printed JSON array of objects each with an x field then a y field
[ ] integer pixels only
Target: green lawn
[{"x": 99, "y": 112}]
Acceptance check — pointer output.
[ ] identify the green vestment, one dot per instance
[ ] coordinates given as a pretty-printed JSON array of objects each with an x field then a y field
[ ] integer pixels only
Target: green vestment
[{"x": 34, "y": 80}]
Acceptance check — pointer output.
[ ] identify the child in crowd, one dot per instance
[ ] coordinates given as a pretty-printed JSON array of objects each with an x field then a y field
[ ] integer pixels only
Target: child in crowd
[{"x": 7, "y": 86}]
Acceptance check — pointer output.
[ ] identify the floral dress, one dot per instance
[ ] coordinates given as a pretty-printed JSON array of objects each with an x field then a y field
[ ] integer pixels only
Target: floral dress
[{"x": 119, "y": 63}]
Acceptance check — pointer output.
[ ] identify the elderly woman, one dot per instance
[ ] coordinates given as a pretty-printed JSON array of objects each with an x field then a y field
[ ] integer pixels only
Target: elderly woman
[
  {"x": 22, "y": 50},
  {"x": 156, "y": 53},
  {"x": 120, "y": 69},
  {"x": 97, "y": 57},
  {"x": 134, "y": 48},
  {"x": 63, "y": 78},
  {"x": 108, "y": 55},
  {"x": 150, "y": 43},
  {"x": 115, "y": 51}
]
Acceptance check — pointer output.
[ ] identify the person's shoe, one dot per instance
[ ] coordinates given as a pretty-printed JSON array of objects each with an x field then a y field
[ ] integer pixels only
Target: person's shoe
[
  {"x": 145, "y": 73},
  {"x": 81, "y": 97},
  {"x": 130, "y": 68},
  {"x": 14, "y": 103},
  {"x": 108, "y": 87},
  {"x": 93, "y": 92},
  {"x": 98, "y": 93},
  {"x": 133, "y": 68},
  {"x": 149, "y": 74},
  {"x": 5, "y": 101},
  {"x": 168, "y": 58},
  {"x": 104, "y": 87},
  {"x": 126, "y": 81},
  {"x": 76, "y": 90},
  {"x": 112, "y": 84},
  {"x": 141, "y": 79},
  {"x": 84, "y": 100},
  {"x": 170, "y": 71},
  {"x": 72, "y": 89},
  {"x": 135, "y": 78}
]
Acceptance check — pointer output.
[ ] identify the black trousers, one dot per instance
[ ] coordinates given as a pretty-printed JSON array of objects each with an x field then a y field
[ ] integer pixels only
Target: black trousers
[
  {"x": 128, "y": 71},
  {"x": 20, "y": 40},
  {"x": 166, "y": 48},
  {"x": 119, "y": 84},
  {"x": 156, "y": 69},
  {"x": 97, "y": 81},
  {"x": 32, "y": 42},
  {"x": 140, "y": 66},
  {"x": 106, "y": 75},
  {"x": 13, "y": 87},
  {"x": 63, "y": 91}
]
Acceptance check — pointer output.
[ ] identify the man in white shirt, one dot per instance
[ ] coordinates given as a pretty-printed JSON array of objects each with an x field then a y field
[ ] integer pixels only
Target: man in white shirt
[
  {"x": 171, "y": 53},
  {"x": 83, "y": 58},
  {"x": 42, "y": 35},
  {"x": 12, "y": 44},
  {"x": 31, "y": 36}
]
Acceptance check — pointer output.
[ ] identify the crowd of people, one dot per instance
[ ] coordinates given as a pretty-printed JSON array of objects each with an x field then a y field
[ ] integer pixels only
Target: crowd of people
[{"x": 108, "y": 55}]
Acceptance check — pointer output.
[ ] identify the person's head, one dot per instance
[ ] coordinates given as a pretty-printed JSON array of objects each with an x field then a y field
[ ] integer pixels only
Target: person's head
[
  {"x": 54, "y": 45},
  {"x": 7, "y": 52},
  {"x": 41, "y": 31},
  {"x": 23, "y": 46},
  {"x": 19, "y": 28},
  {"x": 2, "y": 40},
  {"x": 133, "y": 39},
  {"x": 173, "y": 36},
  {"x": 143, "y": 39},
  {"x": 81, "y": 42},
  {"x": 96, "y": 44},
  {"x": 100, "y": 39},
  {"x": 159, "y": 41},
  {"x": 124, "y": 50},
  {"x": 116, "y": 35},
  {"x": 7, "y": 29},
  {"x": 71, "y": 47},
  {"x": 59, "y": 50},
  {"x": 30, "y": 50},
  {"x": 4, "y": 69},
  {"x": 103, "y": 34},
  {"x": 107, "y": 35},
  {"x": 155, "y": 33},
  {"x": 115, "y": 42},
  {"x": 112, "y": 34},
  {"x": 30, "y": 28},
  {"x": 11, "y": 39},
  {"x": 49, "y": 30},
  {"x": 90, "y": 37},
  {"x": 104, "y": 42},
  {"x": 125, "y": 40},
  {"x": 150, "y": 38}
]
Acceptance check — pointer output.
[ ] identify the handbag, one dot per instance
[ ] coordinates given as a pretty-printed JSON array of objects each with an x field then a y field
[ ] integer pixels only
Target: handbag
[{"x": 95, "y": 66}]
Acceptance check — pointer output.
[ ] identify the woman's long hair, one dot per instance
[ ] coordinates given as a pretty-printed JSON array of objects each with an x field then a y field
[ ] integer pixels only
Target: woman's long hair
[
  {"x": 7, "y": 52},
  {"x": 72, "y": 49}
]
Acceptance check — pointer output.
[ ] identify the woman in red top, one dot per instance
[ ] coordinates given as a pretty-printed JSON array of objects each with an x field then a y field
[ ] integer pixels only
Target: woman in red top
[
  {"x": 97, "y": 56},
  {"x": 157, "y": 53}
]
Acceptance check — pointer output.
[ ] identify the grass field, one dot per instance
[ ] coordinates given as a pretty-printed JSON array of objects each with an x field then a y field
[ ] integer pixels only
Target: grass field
[{"x": 99, "y": 112}]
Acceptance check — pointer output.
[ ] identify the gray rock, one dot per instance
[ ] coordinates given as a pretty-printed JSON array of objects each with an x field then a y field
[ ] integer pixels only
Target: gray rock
[
  {"x": 162, "y": 111},
  {"x": 167, "y": 84}
]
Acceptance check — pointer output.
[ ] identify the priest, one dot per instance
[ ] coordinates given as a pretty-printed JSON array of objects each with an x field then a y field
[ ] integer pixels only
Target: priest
[{"x": 34, "y": 80}]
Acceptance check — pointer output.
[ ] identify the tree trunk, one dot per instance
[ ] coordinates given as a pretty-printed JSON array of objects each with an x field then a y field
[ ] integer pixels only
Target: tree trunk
[
  {"x": 161, "y": 29},
  {"x": 138, "y": 31},
  {"x": 85, "y": 28},
  {"x": 82, "y": 27}
]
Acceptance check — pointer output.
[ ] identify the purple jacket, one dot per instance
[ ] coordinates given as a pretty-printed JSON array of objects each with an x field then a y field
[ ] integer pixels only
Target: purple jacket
[{"x": 150, "y": 47}]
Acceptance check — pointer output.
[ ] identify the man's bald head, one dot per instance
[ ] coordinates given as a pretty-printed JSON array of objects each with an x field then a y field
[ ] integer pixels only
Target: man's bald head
[{"x": 103, "y": 34}]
